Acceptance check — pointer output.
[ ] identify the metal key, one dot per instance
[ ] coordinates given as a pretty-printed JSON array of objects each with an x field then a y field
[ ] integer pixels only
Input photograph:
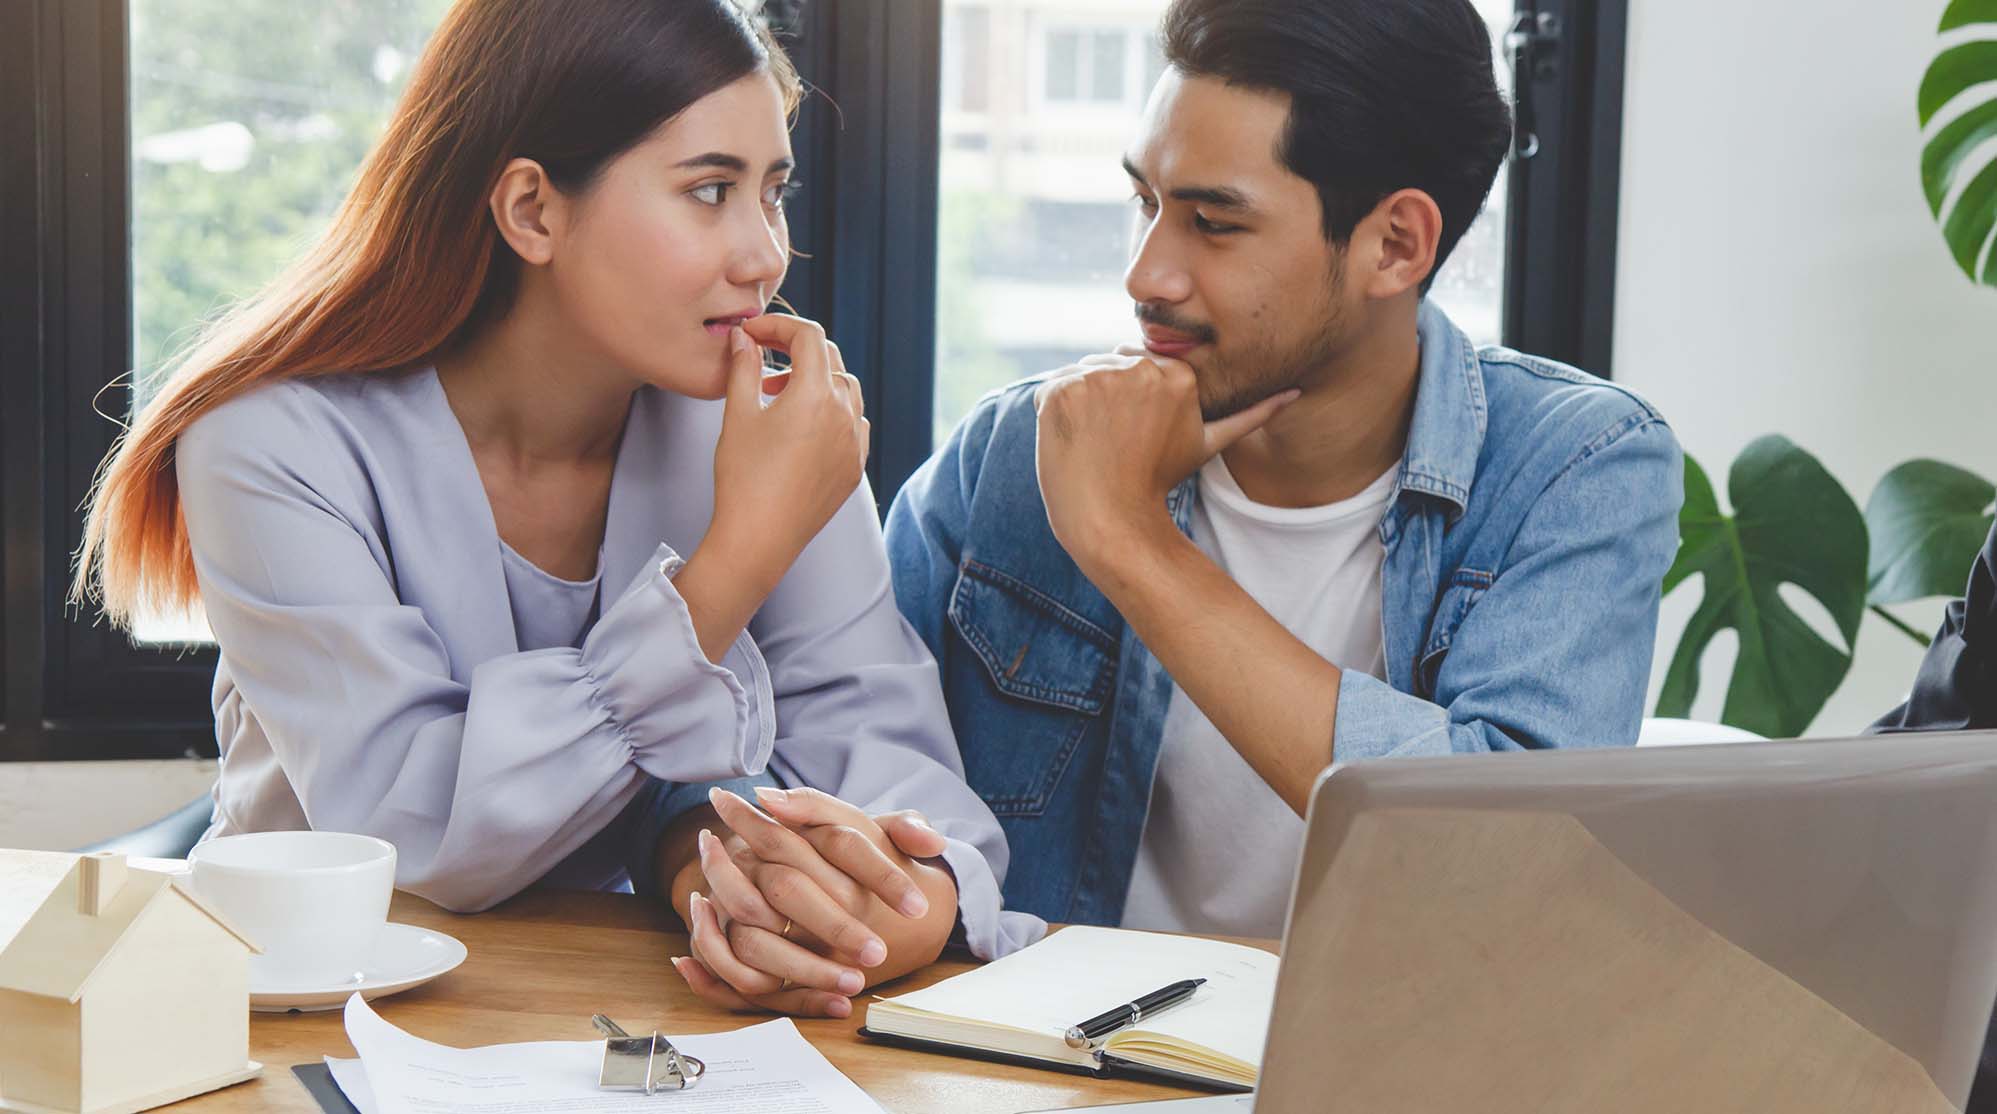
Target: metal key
[{"x": 649, "y": 1064}]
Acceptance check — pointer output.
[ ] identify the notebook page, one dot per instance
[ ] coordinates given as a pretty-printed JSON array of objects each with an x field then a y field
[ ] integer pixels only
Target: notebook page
[
  {"x": 1082, "y": 971},
  {"x": 1230, "y": 1014}
]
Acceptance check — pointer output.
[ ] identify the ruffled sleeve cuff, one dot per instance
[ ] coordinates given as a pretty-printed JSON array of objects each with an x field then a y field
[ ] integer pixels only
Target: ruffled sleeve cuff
[
  {"x": 989, "y": 930},
  {"x": 683, "y": 717}
]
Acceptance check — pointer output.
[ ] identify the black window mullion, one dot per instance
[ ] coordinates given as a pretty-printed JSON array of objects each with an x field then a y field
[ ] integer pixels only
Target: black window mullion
[
  {"x": 905, "y": 399},
  {"x": 21, "y": 244},
  {"x": 1610, "y": 35},
  {"x": 1561, "y": 234},
  {"x": 867, "y": 143}
]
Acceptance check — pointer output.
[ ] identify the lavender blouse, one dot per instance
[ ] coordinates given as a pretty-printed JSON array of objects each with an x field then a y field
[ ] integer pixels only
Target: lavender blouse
[{"x": 387, "y": 666}]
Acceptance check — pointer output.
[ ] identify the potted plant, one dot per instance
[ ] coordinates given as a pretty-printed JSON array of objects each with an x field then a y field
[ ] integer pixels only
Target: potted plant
[{"x": 1793, "y": 523}]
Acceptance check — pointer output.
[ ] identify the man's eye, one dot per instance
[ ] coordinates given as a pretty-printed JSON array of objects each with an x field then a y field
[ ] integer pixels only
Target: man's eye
[
  {"x": 713, "y": 193},
  {"x": 1213, "y": 228},
  {"x": 1145, "y": 203}
]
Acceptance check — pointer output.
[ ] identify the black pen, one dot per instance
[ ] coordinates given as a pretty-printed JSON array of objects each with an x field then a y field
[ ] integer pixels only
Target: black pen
[{"x": 1130, "y": 1013}]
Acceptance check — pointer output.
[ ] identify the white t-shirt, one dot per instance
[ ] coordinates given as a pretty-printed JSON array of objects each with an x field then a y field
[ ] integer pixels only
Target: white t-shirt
[{"x": 1219, "y": 846}]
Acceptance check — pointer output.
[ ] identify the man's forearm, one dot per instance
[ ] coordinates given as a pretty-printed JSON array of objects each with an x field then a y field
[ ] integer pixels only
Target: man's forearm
[{"x": 1270, "y": 695}]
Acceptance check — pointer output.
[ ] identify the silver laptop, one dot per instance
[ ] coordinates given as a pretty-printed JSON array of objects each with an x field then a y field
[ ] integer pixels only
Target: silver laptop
[{"x": 1757, "y": 927}]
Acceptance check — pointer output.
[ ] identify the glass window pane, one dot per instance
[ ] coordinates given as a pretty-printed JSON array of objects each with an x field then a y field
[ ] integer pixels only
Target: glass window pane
[
  {"x": 1106, "y": 70},
  {"x": 1034, "y": 219},
  {"x": 1471, "y": 285},
  {"x": 1064, "y": 64},
  {"x": 966, "y": 55},
  {"x": 248, "y": 121},
  {"x": 1154, "y": 63}
]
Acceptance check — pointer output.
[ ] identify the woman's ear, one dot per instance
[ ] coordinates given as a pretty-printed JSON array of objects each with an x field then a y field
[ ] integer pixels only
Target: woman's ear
[
  {"x": 526, "y": 208},
  {"x": 1404, "y": 231}
]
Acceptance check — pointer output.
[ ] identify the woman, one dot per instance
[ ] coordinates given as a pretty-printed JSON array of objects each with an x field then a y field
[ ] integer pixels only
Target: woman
[{"x": 494, "y": 522}]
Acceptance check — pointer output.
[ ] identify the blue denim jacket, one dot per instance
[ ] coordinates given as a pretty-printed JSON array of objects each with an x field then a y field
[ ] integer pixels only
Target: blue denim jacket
[{"x": 1530, "y": 527}]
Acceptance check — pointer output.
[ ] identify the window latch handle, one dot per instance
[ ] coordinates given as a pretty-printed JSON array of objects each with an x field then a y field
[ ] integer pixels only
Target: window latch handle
[{"x": 1532, "y": 46}]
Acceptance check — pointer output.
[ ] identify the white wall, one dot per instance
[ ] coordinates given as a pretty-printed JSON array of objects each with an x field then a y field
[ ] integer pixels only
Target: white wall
[
  {"x": 57, "y": 806},
  {"x": 1777, "y": 269}
]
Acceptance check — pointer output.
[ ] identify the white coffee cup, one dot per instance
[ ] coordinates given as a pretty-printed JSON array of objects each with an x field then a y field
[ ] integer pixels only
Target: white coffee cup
[{"x": 313, "y": 901}]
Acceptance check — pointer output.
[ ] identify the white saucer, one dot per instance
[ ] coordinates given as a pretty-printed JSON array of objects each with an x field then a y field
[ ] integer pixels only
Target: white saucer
[{"x": 403, "y": 956}]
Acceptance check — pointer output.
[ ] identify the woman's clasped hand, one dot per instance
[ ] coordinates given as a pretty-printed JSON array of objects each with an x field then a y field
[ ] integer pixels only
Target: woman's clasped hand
[{"x": 799, "y": 909}]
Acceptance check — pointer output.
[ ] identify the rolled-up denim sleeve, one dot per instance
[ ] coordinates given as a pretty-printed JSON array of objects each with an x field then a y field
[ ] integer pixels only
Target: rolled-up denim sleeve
[{"x": 1554, "y": 647}]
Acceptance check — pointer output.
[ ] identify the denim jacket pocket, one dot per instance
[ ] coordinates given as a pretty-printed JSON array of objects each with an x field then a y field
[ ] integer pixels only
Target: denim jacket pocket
[
  {"x": 1053, "y": 671},
  {"x": 1465, "y": 589}
]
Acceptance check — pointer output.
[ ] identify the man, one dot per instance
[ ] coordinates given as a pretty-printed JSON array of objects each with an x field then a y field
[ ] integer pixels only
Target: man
[{"x": 1306, "y": 522}]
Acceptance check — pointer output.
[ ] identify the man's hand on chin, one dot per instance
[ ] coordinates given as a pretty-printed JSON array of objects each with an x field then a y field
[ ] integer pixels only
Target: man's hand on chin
[{"x": 1117, "y": 433}]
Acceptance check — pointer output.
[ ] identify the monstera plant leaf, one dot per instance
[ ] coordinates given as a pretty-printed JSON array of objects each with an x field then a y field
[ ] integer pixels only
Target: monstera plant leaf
[
  {"x": 1928, "y": 521},
  {"x": 1792, "y": 524},
  {"x": 1952, "y": 161}
]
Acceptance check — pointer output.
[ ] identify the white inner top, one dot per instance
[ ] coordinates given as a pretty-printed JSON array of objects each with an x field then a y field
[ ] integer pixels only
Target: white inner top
[{"x": 1220, "y": 847}]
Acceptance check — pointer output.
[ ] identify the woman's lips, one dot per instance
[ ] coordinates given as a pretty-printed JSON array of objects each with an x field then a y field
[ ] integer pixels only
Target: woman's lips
[{"x": 720, "y": 326}]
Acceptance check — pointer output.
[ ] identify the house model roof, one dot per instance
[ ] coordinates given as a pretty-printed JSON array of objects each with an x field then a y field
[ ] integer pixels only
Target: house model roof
[{"x": 59, "y": 948}]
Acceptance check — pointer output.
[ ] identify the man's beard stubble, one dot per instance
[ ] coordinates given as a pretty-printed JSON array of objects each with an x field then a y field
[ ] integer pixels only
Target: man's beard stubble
[{"x": 1255, "y": 368}]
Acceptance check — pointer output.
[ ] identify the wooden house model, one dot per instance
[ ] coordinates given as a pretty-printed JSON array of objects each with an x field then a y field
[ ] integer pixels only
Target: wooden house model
[{"x": 120, "y": 992}]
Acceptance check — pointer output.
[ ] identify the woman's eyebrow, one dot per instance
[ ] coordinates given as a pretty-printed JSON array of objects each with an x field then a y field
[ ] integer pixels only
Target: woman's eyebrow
[{"x": 723, "y": 161}]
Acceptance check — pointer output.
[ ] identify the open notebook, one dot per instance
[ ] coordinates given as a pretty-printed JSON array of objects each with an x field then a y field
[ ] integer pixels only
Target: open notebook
[{"x": 1019, "y": 1007}]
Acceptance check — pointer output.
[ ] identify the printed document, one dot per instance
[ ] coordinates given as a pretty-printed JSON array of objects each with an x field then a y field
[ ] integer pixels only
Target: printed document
[{"x": 768, "y": 1068}]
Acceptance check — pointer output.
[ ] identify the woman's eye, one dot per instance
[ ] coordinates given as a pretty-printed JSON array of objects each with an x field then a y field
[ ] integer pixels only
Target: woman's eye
[
  {"x": 713, "y": 193},
  {"x": 781, "y": 193}
]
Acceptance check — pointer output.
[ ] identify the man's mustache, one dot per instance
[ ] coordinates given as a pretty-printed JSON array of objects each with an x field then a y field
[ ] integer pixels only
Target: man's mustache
[{"x": 1158, "y": 315}]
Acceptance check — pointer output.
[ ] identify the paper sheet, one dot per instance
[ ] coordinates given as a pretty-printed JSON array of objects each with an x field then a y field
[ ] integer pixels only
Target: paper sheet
[{"x": 769, "y": 1068}]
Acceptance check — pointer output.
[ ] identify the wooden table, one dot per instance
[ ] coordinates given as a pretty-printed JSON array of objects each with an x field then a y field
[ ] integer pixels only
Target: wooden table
[{"x": 542, "y": 963}]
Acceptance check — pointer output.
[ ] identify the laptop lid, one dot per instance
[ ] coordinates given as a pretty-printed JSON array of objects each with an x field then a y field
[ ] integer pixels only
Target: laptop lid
[{"x": 1758, "y": 927}]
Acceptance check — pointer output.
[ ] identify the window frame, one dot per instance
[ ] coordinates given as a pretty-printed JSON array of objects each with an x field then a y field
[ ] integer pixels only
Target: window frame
[
  {"x": 77, "y": 689},
  {"x": 868, "y": 141},
  {"x": 1561, "y": 218}
]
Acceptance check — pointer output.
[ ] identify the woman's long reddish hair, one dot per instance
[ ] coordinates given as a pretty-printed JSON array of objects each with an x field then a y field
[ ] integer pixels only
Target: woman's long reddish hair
[{"x": 412, "y": 262}]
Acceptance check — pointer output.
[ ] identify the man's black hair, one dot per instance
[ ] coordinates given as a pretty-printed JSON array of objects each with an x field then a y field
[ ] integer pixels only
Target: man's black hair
[{"x": 1384, "y": 95}]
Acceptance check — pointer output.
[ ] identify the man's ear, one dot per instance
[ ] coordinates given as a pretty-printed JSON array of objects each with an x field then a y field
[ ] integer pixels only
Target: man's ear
[
  {"x": 527, "y": 210},
  {"x": 1398, "y": 241}
]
